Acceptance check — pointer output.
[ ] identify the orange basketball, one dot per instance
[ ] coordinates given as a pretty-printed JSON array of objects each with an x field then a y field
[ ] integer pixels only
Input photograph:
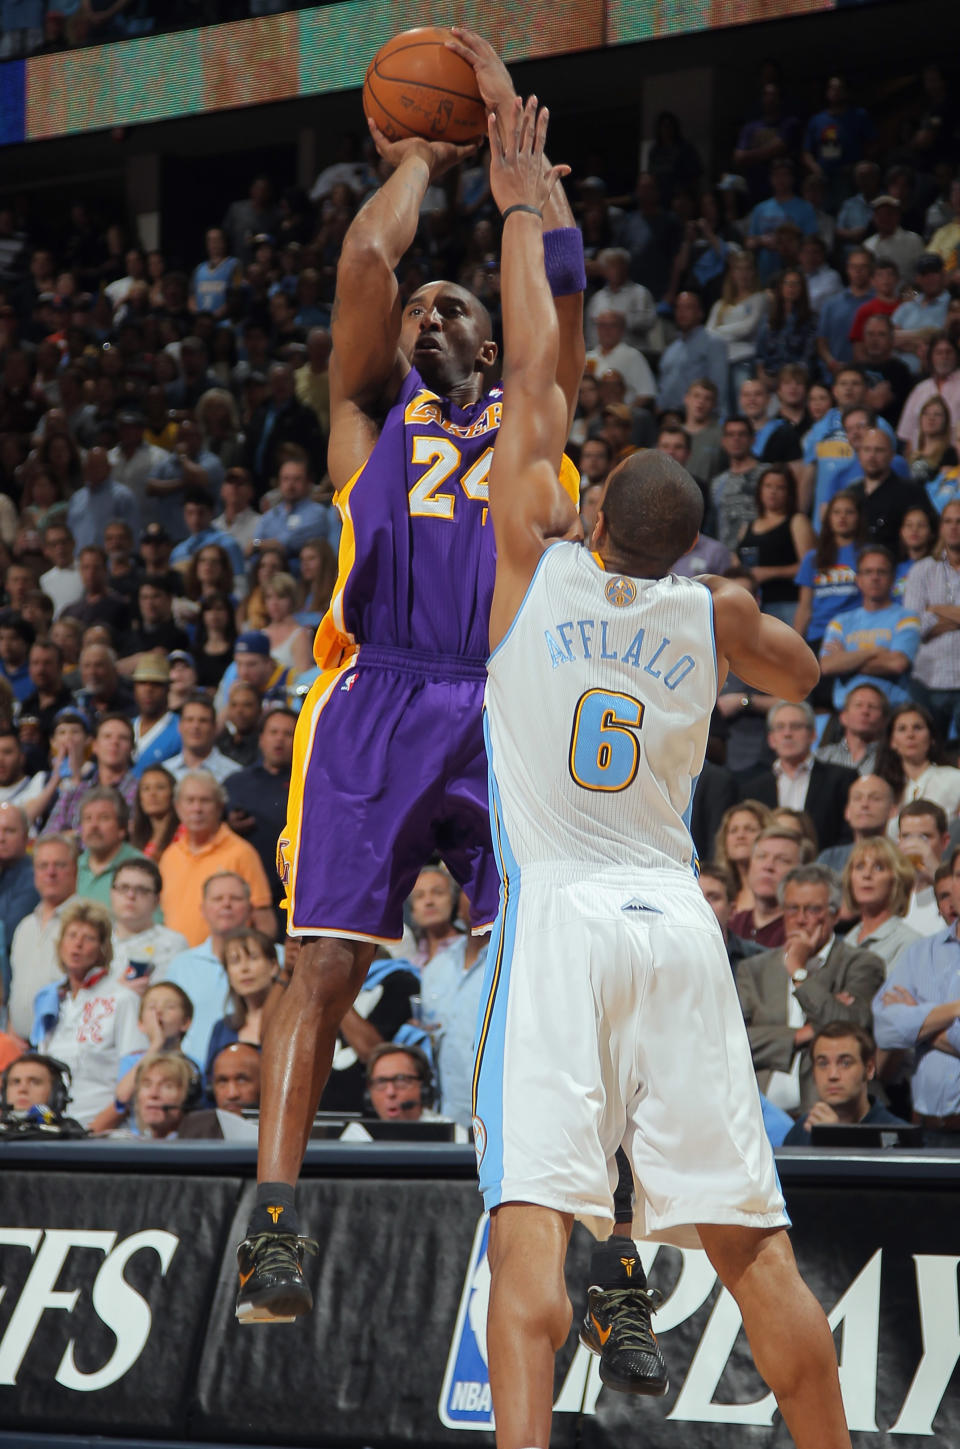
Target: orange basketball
[{"x": 414, "y": 86}]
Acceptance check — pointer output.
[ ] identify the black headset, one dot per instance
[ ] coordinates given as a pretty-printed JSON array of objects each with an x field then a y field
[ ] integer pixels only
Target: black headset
[
  {"x": 61, "y": 1080},
  {"x": 424, "y": 1070}
]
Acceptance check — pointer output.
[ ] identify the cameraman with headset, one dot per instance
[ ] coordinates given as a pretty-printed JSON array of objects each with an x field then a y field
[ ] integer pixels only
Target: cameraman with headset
[
  {"x": 400, "y": 1084},
  {"x": 34, "y": 1093}
]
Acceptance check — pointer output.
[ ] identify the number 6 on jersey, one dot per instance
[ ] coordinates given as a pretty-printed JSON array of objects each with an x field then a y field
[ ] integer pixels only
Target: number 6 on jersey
[{"x": 604, "y": 749}]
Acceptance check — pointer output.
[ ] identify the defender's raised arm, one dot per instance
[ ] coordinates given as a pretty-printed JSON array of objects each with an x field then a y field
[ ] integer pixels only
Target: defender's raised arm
[{"x": 527, "y": 506}]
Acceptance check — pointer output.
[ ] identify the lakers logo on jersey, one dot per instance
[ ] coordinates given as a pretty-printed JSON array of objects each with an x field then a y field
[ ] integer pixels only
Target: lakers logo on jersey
[{"x": 620, "y": 592}]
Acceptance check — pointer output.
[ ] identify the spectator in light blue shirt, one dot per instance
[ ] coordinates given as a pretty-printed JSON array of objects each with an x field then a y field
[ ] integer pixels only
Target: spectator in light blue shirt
[
  {"x": 875, "y": 643},
  {"x": 923, "y": 313},
  {"x": 918, "y": 1009},
  {"x": 838, "y": 312},
  {"x": 855, "y": 217},
  {"x": 188, "y": 464},
  {"x": 198, "y": 517},
  {"x": 297, "y": 517},
  {"x": 692, "y": 355},
  {"x": 783, "y": 205},
  {"x": 212, "y": 280},
  {"x": 450, "y": 991},
  {"x": 100, "y": 501}
]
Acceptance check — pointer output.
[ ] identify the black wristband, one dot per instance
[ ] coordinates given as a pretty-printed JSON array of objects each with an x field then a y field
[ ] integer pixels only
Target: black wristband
[{"x": 521, "y": 206}]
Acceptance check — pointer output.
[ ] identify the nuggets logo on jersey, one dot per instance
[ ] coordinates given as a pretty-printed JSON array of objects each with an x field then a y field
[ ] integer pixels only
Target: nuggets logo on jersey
[{"x": 620, "y": 592}]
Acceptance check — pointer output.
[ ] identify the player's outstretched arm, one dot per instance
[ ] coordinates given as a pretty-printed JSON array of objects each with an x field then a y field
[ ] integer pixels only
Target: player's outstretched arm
[
  {"x": 525, "y": 502},
  {"x": 762, "y": 651},
  {"x": 366, "y": 308},
  {"x": 496, "y": 88}
]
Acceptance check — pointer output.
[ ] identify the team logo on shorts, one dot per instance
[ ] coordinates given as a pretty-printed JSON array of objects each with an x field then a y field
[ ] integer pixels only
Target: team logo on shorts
[
  {"x": 620, "y": 592},
  {"x": 479, "y": 1139},
  {"x": 348, "y": 683}
]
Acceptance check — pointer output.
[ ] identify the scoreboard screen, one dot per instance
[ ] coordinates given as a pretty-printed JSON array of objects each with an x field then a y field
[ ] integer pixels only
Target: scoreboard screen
[{"x": 315, "y": 51}]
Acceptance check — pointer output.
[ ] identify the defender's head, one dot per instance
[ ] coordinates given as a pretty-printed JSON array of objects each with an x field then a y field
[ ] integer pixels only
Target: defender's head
[
  {"x": 447, "y": 335},
  {"x": 650, "y": 515}
]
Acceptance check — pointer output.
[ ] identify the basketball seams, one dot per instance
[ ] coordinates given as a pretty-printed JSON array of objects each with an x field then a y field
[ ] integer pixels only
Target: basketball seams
[{"x": 423, "y": 102}]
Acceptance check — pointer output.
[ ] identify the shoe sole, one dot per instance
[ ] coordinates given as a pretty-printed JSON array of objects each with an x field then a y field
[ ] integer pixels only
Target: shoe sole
[
  {"x": 648, "y": 1388},
  {"x": 284, "y": 1310}
]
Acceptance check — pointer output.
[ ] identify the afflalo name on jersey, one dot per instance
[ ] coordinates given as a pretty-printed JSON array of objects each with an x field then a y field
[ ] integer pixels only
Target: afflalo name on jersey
[{"x": 598, "y": 707}]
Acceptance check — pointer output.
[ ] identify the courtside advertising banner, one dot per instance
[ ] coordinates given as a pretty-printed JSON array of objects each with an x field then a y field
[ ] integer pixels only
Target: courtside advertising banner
[{"x": 116, "y": 1318}]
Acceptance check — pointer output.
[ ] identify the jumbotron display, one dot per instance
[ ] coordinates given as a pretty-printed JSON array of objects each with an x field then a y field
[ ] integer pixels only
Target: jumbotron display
[{"x": 311, "y": 52}]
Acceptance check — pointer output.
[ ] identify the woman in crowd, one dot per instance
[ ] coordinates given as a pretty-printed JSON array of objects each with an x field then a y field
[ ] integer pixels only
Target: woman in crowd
[
  {"x": 738, "y": 316},
  {"x": 219, "y": 422},
  {"x": 739, "y": 829},
  {"x": 877, "y": 880},
  {"x": 270, "y": 559},
  {"x": 155, "y": 821},
  {"x": 59, "y": 456},
  {"x": 318, "y": 575},
  {"x": 42, "y": 502},
  {"x": 588, "y": 417},
  {"x": 819, "y": 403},
  {"x": 944, "y": 381},
  {"x": 216, "y": 634},
  {"x": 918, "y": 539},
  {"x": 789, "y": 332},
  {"x": 209, "y": 572},
  {"x": 87, "y": 1021},
  {"x": 290, "y": 644},
  {"x": 251, "y": 961},
  {"x": 773, "y": 545},
  {"x": 826, "y": 579},
  {"x": 911, "y": 760},
  {"x": 934, "y": 449}
]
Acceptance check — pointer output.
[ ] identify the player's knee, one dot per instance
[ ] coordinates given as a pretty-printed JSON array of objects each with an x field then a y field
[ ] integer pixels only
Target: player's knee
[{"x": 327, "y": 973}]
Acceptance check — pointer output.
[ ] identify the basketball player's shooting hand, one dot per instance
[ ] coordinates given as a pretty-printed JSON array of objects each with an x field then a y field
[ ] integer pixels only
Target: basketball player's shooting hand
[
  {"x": 520, "y": 174},
  {"x": 440, "y": 156},
  {"x": 493, "y": 78}
]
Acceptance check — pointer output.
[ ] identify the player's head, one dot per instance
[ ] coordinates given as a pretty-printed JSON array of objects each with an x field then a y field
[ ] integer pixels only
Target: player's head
[
  {"x": 447, "y": 335},
  {"x": 650, "y": 514}
]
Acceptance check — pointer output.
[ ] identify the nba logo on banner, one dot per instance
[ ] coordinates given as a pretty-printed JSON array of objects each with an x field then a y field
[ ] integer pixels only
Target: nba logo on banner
[{"x": 465, "y": 1401}]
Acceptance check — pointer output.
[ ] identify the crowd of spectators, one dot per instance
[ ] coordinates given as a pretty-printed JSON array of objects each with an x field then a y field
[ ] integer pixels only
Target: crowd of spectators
[
  {"x": 42, "y": 27},
  {"x": 789, "y": 332}
]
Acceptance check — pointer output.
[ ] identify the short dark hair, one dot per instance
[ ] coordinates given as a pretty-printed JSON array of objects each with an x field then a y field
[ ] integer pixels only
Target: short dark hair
[
  {"x": 924, "y": 810},
  {"x": 653, "y": 509},
  {"x": 10, "y": 619},
  {"x": 269, "y": 714},
  {"x": 835, "y": 1030},
  {"x": 198, "y": 697},
  {"x": 880, "y": 548},
  {"x": 115, "y": 715},
  {"x": 738, "y": 419},
  {"x": 196, "y": 495},
  {"x": 146, "y": 867},
  {"x": 723, "y": 874}
]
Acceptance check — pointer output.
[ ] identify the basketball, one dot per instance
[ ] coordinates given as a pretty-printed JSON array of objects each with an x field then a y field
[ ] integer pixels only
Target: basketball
[{"x": 414, "y": 86}]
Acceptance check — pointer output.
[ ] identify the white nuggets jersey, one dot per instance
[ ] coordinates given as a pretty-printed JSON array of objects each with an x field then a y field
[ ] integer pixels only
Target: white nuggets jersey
[{"x": 597, "y": 710}]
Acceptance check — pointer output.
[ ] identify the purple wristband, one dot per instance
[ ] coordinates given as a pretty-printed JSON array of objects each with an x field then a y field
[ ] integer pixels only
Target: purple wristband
[{"x": 563, "y": 255}]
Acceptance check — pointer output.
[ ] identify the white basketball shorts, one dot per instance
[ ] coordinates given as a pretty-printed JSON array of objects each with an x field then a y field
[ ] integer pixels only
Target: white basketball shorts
[{"x": 609, "y": 1015}]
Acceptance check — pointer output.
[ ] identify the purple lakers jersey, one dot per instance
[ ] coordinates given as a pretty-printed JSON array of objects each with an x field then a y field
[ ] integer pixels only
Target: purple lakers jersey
[{"x": 417, "y": 558}]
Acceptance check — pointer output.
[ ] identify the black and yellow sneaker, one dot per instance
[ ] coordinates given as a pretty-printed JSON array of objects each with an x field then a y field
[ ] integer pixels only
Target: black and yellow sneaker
[
  {"x": 616, "y": 1327},
  {"x": 272, "y": 1287}
]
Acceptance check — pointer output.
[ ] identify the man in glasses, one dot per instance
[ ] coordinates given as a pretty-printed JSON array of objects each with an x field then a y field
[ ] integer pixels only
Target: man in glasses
[
  {"x": 789, "y": 994},
  {"x": 400, "y": 1084},
  {"x": 140, "y": 944}
]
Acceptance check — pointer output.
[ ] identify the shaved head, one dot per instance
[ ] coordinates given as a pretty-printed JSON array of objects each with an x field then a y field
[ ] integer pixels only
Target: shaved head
[
  {"x": 431, "y": 290},
  {"x": 652, "y": 510}
]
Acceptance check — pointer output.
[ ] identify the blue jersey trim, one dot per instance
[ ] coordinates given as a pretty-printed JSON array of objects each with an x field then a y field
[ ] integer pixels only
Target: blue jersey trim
[{"x": 492, "y": 656}]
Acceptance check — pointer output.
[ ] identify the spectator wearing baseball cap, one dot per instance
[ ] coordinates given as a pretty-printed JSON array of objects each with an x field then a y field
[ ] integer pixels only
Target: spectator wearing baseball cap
[
  {"x": 156, "y": 729},
  {"x": 916, "y": 319},
  {"x": 253, "y": 664},
  {"x": 890, "y": 242}
]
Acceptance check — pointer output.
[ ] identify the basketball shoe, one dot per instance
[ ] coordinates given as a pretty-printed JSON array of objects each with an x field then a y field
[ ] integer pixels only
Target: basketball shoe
[{"x": 272, "y": 1287}]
